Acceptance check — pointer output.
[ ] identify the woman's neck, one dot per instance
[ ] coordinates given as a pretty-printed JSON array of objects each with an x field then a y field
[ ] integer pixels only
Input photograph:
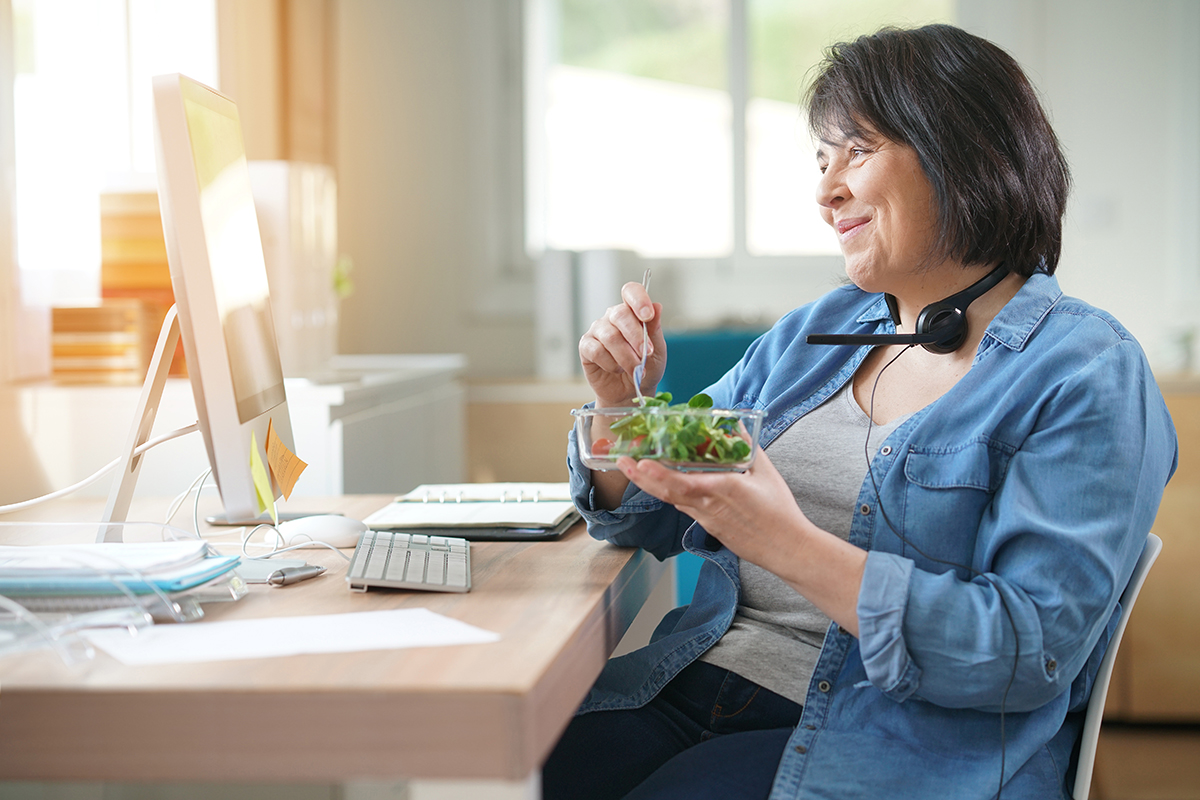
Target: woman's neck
[{"x": 935, "y": 286}]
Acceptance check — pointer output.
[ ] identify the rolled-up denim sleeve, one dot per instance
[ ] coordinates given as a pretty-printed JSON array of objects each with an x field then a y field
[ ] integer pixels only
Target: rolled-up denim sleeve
[
  {"x": 882, "y": 603},
  {"x": 1054, "y": 549}
]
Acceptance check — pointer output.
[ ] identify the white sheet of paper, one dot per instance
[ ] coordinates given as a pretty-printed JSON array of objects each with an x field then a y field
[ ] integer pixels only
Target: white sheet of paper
[{"x": 286, "y": 636}]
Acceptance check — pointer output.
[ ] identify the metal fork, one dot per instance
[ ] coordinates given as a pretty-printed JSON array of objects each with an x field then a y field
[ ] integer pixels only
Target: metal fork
[{"x": 639, "y": 371}]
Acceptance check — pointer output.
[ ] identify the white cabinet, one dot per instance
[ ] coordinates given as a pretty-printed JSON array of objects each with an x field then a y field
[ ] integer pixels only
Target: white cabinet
[{"x": 380, "y": 424}]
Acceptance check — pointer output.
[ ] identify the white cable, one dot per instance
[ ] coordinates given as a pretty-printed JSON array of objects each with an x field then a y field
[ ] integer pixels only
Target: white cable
[
  {"x": 196, "y": 504},
  {"x": 177, "y": 503},
  {"x": 107, "y": 468},
  {"x": 276, "y": 549}
]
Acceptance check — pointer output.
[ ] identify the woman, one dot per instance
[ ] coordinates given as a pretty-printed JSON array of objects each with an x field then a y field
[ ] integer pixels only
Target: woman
[{"x": 909, "y": 592}]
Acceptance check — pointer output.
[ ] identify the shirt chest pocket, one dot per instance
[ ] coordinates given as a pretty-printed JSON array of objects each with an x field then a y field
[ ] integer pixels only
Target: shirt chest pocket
[{"x": 947, "y": 494}]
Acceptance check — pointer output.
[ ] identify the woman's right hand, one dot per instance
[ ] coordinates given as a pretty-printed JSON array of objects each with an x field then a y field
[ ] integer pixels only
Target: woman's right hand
[{"x": 612, "y": 348}]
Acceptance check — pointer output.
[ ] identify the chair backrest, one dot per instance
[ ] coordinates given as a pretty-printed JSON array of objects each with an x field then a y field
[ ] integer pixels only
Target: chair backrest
[{"x": 1095, "y": 709}]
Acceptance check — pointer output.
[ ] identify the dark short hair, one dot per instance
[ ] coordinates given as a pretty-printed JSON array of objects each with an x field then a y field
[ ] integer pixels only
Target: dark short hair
[{"x": 977, "y": 126}]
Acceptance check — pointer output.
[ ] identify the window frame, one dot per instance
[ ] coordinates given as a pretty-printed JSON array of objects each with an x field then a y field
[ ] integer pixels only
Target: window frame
[{"x": 739, "y": 262}]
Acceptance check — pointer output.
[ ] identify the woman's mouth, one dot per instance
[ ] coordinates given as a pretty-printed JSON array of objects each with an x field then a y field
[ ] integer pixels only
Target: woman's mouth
[{"x": 846, "y": 228}]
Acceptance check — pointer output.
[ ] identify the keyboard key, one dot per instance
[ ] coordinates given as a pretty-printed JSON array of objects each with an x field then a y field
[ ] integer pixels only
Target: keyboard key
[
  {"x": 456, "y": 571},
  {"x": 358, "y": 562},
  {"x": 437, "y": 569},
  {"x": 396, "y": 565},
  {"x": 376, "y": 563},
  {"x": 416, "y": 566}
]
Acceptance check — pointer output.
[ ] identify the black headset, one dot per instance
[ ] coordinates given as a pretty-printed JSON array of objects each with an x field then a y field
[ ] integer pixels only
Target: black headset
[{"x": 941, "y": 326}]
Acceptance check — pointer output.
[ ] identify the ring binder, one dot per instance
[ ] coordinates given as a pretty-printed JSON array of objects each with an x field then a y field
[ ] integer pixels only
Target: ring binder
[{"x": 482, "y": 511}]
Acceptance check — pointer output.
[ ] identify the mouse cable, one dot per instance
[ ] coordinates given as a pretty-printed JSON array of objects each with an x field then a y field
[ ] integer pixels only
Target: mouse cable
[
  {"x": 197, "y": 486},
  {"x": 971, "y": 570},
  {"x": 276, "y": 549},
  {"x": 100, "y": 473}
]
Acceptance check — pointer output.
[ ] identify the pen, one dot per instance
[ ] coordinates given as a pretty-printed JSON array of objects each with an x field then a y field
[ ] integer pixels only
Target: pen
[{"x": 282, "y": 577}]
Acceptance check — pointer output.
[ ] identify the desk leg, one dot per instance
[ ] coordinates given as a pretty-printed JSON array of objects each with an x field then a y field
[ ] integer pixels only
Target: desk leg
[{"x": 446, "y": 789}]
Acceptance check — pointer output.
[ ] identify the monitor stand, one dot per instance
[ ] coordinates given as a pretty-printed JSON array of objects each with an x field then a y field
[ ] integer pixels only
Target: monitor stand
[{"x": 121, "y": 494}]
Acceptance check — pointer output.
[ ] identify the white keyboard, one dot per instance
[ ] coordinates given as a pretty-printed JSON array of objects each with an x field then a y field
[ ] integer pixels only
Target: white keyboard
[{"x": 410, "y": 561}]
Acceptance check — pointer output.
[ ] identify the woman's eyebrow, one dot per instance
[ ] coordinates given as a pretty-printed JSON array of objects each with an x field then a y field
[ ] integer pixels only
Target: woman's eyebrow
[{"x": 827, "y": 143}]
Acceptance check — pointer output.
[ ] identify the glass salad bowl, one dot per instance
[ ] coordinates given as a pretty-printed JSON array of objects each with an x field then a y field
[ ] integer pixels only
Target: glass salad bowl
[{"x": 692, "y": 437}]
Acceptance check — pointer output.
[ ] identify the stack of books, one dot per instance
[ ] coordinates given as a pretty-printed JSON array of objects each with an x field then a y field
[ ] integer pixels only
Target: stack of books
[
  {"x": 133, "y": 261},
  {"x": 481, "y": 511},
  {"x": 100, "y": 343}
]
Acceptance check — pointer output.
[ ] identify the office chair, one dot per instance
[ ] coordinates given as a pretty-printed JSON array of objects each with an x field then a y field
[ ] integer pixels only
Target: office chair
[{"x": 1095, "y": 709}]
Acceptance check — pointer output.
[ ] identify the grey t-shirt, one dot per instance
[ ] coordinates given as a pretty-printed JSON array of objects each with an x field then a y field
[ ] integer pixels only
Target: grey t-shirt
[{"x": 776, "y": 633}]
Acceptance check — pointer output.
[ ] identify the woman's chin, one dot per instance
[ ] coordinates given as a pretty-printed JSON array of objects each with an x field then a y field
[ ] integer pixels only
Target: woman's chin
[{"x": 862, "y": 276}]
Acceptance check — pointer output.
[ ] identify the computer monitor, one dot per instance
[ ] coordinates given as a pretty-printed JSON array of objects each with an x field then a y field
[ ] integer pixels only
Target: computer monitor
[{"x": 220, "y": 282}]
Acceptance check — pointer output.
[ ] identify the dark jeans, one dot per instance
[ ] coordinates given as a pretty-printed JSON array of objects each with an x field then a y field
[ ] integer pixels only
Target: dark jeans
[{"x": 710, "y": 733}]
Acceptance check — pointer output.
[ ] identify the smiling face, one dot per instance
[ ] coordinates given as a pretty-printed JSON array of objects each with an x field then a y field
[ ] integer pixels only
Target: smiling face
[{"x": 874, "y": 194}]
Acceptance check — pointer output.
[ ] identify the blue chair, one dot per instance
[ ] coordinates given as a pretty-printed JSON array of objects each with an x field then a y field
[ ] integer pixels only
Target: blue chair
[{"x": 696, "y": 360}]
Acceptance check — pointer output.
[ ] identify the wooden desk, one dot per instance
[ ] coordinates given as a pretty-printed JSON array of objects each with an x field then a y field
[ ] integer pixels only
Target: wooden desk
[{"x": 473, "y": 711}]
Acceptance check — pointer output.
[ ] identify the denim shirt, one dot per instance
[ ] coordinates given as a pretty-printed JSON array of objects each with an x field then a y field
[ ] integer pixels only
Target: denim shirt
[{"x": 1041, "y": 470}]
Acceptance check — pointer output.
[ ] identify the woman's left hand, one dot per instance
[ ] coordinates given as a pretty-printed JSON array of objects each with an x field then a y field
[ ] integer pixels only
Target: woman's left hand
[{"x": 753, "y": 513}]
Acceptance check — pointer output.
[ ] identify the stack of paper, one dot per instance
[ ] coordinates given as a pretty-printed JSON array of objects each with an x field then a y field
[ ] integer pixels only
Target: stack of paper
[
  {"x": 103, "y": 568},
  {"x": 482, "y": 511}
]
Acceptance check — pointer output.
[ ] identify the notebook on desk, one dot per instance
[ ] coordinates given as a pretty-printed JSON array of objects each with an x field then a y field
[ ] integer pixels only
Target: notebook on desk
[{"x": 481, "y": 511}]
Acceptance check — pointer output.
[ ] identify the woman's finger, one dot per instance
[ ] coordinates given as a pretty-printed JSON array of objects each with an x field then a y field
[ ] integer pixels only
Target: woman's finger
[
  {"x": 625, "y": 335},
  {"x": 638, "y": 300},
  {"x": 691, "y": 490}
]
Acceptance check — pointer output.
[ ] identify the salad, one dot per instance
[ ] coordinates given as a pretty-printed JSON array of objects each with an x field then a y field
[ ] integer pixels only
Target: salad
[{"x": 687, "y": 433}]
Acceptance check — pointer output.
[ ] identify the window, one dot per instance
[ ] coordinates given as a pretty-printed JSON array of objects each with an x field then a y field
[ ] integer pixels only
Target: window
[
  {"x": 83, "y": 121},
  {"x": 672, "y": 127}
]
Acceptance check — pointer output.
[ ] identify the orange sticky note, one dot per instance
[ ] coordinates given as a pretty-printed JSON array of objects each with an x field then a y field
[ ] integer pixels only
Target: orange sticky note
[
  {"x": 285, "y": 466},
  {"x": 262, "y": 483}
]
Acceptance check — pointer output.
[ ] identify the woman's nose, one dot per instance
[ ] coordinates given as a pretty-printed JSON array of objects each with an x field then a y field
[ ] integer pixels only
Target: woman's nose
[{"x": 831, "y": 188}]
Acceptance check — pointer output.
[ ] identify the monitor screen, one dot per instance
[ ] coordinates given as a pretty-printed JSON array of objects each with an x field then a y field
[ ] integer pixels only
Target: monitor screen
[
  {"x": 235, "y": 255},
  {"x": 219, "y": 277}
]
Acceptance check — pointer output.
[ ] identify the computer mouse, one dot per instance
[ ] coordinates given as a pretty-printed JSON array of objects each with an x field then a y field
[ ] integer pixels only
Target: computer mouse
[{"x": 333, "y": 529}]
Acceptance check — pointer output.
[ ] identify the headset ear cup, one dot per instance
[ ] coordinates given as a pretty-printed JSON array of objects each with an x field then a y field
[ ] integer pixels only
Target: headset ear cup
[{"x": 945, "y": 321}]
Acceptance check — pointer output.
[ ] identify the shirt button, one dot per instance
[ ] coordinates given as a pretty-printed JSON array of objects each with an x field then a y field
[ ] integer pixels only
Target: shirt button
[
  {"x": 801, "y": 749},
  {"x": 1051, "y": 665},
  {"x": 810, "y": 727},
  {"x": 864, "y": 508},
  {"x": 842, "y": 630},
  {"x": 824, "y": 686},
  {"x": 886, "y": 450}
]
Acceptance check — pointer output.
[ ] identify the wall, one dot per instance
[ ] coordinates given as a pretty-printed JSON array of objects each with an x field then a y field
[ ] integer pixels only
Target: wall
[
  {"x": 1122, "y": 84},
  {"x": 250, "y": 52},
  {"x": 277, "y": 61},
  {"x": 429, "y": 182}
]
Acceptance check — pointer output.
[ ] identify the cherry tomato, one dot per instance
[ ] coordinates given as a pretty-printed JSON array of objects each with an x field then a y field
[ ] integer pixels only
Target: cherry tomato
[{"x": 600, "y": 447}]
